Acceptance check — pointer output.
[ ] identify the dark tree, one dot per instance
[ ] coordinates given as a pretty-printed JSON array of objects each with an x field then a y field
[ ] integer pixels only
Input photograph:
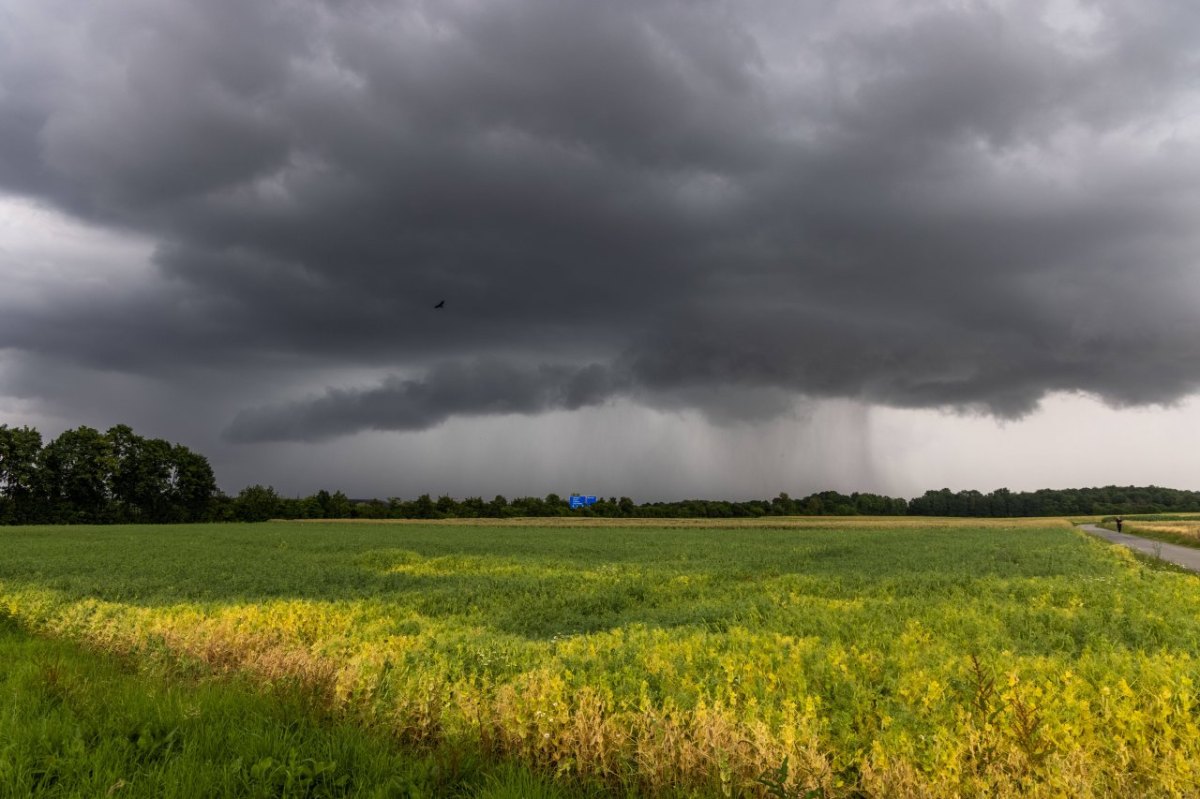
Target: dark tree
[
  {"x": 257, "y": 504},
  {"x": 193, "y": 485},
  {"x": 143, "y": 470},
  {"x": 340, "y": 506},
  {"x": 75, "y": 474},
  {"x": 19, "y": 451},
  {"x": 424, "y": 507}
]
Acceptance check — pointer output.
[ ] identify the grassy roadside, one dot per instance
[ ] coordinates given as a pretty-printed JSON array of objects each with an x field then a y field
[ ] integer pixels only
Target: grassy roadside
[
  {"x": 77, "y": 723},
  {"x": 1182, "y": 529}
]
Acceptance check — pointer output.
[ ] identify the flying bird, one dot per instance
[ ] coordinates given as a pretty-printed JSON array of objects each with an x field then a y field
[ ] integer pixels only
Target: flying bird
[{"x": 441, "y": 304}]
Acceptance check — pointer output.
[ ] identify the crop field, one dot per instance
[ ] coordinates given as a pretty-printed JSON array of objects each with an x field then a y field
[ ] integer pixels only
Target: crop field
[
  {"x": 787, "y": 658},
  {"x": 1175, "y": 529},
  {"x": 83, "y": 724}
]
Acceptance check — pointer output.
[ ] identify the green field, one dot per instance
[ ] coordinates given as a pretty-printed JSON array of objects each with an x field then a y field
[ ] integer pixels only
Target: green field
[
  {"x": 75, "y": 723},
  {"x": 875, "y": 657}
]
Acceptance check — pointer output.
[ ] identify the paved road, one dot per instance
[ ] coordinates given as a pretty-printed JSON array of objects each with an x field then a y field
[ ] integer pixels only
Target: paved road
[{"x": 1187, "y": 557}]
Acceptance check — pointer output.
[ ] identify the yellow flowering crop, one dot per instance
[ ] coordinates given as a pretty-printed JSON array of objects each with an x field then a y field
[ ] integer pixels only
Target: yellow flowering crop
[{"x": 918, "y": 658}]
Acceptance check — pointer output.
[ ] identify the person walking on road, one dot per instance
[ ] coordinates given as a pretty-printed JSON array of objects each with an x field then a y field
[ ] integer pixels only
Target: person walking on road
[{"x": 1119, "y": 520}]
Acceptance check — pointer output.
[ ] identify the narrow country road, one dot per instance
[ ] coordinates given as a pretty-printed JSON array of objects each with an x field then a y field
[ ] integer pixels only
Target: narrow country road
[{"x": 1187, "y": 557}]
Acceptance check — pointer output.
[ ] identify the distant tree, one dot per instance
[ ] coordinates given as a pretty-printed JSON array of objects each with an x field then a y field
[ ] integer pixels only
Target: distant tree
[
  {"x": 554, "y": 505},
  {"x": 472, "y": 508},
  {"x": 424, "y": 508},
  {"x": 257, "y": 503},
  {"x": 289, "y": 508},
  {"x": 193, "y": 485},
  {"x": 142, "y": 477},
  {"x": 371, "y": 509},
  {"x": 446, "y": 506},
  {"x": 155, "y": 481},
  {"x": 340, "y": 506},
  {"x": 221, "y": 508},
  {"x": 783, "y": 505},
  {"x": 498, "y": 507},
  {"x": 75, "y": 472},
  {"x": 310, "y": 508},
  {"x": 321, "y": 501},
  {"x": 1000, "y": 502},
  {"x": 20, "y": 448}
]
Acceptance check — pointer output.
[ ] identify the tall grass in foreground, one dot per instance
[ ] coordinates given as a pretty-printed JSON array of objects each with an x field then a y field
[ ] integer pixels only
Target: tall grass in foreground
[
  {"x": 73, "y": 723},
  {"x": 964, "y": 658}
]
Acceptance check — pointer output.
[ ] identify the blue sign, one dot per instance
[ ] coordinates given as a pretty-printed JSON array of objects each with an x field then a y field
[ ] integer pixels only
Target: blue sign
[{"x": 577, "y": 501}]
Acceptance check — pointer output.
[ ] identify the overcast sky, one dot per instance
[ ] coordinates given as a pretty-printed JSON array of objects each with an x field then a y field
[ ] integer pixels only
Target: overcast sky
[{"x": 686, "y": 248}]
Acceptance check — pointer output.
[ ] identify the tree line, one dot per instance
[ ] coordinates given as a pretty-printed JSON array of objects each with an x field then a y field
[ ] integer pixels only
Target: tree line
[
  {"x": 1051, "y": 502},
  {"x": 259, "y": 502},
  {"x": 119, "y": 477},
  {"x": 85, "y": 476},
  {"x": 999, "y": 503}
]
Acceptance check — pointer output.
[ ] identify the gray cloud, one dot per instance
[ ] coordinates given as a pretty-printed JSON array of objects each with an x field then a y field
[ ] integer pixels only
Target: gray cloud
[
  {"x": 449, "y": 390},
  {"x": 916, "y": 205}
]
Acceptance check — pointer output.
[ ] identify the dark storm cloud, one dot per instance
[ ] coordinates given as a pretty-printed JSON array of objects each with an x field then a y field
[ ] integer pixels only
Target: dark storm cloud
[
  {"x": 914, "y": 204},
  {"x": 448, "y": 390}
]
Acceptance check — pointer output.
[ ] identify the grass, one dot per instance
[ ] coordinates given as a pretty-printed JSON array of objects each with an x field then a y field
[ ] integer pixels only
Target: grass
[
  {"x": 1172, "y": 529},
  {"x": 874, "y": 657},
  {"x": 78, "y": 723}
]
